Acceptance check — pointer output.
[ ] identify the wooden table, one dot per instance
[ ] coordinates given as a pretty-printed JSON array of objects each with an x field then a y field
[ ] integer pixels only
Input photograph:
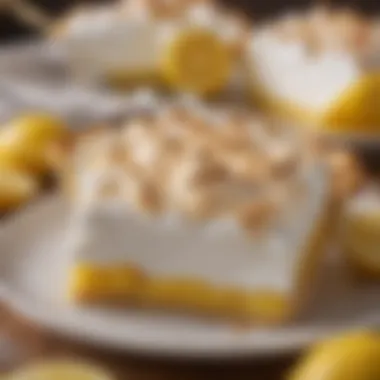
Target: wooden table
[{"x": 22, "y": 342}]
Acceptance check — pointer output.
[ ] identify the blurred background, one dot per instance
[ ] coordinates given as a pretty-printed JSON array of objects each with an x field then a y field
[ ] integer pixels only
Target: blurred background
[{"x": 11, "y": 28}]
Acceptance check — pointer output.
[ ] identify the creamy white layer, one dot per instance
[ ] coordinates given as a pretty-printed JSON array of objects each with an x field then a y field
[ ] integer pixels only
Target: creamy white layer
[
  {"x": 131, "y": 47},
  {"x": 217, "y": 251},
  {"x": 287, "y": 70}
]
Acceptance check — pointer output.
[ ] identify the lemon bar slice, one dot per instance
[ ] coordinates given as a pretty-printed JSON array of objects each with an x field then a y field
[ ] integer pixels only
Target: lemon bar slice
[{"x": 212, "y": 235}]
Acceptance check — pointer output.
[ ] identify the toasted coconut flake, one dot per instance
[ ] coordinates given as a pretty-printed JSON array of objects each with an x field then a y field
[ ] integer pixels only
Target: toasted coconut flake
[
  {"x": 194, "y": 164},
  {"x": 256, "y": 215}
]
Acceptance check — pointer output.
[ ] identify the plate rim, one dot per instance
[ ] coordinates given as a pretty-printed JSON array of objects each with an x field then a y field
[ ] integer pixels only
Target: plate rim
[
  {"x": 38, "y": 313},
  {"x": 20, "y": 305}
]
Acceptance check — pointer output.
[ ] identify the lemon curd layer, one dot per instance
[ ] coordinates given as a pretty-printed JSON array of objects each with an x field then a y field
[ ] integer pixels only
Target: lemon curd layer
[
  {"x": 311, "y": 68},
  {"x": 233, "y": 227}
]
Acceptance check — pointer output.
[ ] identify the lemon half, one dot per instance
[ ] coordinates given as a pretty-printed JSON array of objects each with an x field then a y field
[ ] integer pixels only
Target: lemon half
[{"x": 196, "y": 60}]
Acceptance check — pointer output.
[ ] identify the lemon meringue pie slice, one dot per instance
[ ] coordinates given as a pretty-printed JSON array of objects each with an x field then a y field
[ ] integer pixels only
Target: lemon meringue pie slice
[{"x": 190, "y": 211}]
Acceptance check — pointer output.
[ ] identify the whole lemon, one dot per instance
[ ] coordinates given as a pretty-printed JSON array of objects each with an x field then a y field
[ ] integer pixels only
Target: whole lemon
[{"x": 354, "y": 356}]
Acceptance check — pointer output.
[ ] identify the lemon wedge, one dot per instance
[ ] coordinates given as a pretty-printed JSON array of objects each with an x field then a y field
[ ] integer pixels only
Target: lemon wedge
[
  {"x": 19, "y": 154},
  {"x": 357, "y": 110},
  {"x": 25, "y": 140},
  {"x": 361, "y": 242},
  {"x": 16, "y": 188},
  {"x": 352, "y": 356},
  {"x": 39, "y": 128},
  {"x": 196, "y": 60},
  {"x": 60, "y": 370}
]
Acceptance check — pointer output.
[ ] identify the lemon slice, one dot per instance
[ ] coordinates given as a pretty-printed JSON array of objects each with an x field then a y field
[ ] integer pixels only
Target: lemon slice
[
  {"x": 15, "y": 188},
  {"x": 196, "y": 61},
  {"x": 60, "y": 370},
  {"x": 349, "y": 357}
]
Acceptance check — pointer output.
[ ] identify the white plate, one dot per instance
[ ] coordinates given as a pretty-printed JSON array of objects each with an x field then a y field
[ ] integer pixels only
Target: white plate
[{"x": 32, "y": 272}]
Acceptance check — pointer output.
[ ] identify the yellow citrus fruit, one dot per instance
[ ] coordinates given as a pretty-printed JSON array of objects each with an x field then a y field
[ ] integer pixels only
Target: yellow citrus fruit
[
  {"x": 361, "y": 242},
  {"x": 352, "y": 356},
  {"x": 10, "y": 158},
  {"x": 16, "y": 153},
  {"x": 197, "y": 61},
  {"x": 60, "y": 370},
  {"x": 357, "y": 110},
  {"x": 39, "y": 128},
  {"x": 25, "y": 140},
  {"x": 15, "y": 188}
]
